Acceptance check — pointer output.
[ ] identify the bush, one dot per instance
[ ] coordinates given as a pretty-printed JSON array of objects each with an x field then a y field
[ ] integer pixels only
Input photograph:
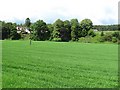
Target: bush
[
  {"x": 16, "y": 36},
  {"x": 116, "y": 34},
  {"x": 91, "y": 33},
  {"x": 118, "y": 41},
  {"x": 73, "y": 39},
  {"x": 102, "y": 33},
  {"x": 82, "y": 39},
  {"x": 86, "y": 39},
  {"x": 57, "y": 39},
  {"x": 102, "y": 39},
  {"x": 108, "y": 37},
  {"x": 114, "y": 39}
]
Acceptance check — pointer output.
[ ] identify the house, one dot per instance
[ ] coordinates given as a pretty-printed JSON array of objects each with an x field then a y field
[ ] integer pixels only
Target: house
[
  {"x": 23, "y": 30},
  {"x": 19, "y": 29},
  {"x": 27, "y": 30}
]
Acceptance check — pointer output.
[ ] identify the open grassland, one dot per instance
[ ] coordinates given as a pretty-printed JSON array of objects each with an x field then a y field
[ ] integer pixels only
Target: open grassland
[{"x": 58, "y": 64}]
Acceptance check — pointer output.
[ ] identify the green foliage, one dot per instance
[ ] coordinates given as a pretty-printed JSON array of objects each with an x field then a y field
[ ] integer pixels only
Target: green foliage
[
  {"x": 40, "y": 31},
  {"x": 74, "y": 29},
  {"x": 6, "y": 30},
  {"x": 116, "y": 34},
  {"x": 14, "y": 35},
  {"x": 66, "y": 32},
  {"x": 73, "y": 33},
  {"x": 118, "y": 42},
  {"x": 85, "y": 26},
  {"x": 58, "y": 27},
  {"x": 91, "y": 33},
  {"x": 57, "y": 39},
  {"x": 108, "y": 37},
  {"x": 27, "y": 22},
  {"x": 114, "y": 39},
  {"x": 90, "y": 39},
  {"x": 102, "y": 33},
  {"x": 106, "y": 27},
  {"x": 58, "y": 31},
  {"x": 59, "y": 65},
  {"x": 101, "y": 39},
  {"x": 50, "y": 28},
  {"x": 9, "y": 31},
  {"x": 87, "y": 39}
]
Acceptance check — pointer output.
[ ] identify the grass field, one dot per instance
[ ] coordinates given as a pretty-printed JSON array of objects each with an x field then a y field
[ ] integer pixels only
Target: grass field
[{"x": 59, "y": 65}]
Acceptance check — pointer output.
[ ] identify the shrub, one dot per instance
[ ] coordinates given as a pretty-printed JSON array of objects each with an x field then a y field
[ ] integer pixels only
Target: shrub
[
  {"x": 82, "y": 39},
  {"x": 102, "y": 39},
  {"x": 102, "y": 33},
  {"x": 108, "y": 37},
  {"x": 114, "y": 39},
  {"x": 91, "y": 33},
  {"x": 86, "y": 39},
  {"x": 116, "y": 34},
  {"x": 96, "y": 38},
  {"x": 16, "y": 36},
  {"x": 57, "y": 39},
  {"x": 118, "y": 41},
  {"x": 73, "y": 39}
]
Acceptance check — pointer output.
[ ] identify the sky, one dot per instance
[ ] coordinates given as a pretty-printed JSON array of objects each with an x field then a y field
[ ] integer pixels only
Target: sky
[{"x": 99, "y": 11}]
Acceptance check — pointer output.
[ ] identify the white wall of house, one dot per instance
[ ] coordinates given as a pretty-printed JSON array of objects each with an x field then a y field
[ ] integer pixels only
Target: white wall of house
[{"x": 27, "y": 31}]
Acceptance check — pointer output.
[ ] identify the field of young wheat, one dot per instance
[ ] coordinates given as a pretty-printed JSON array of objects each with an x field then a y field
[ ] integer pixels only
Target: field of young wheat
[{"x": 59, "y": 65}]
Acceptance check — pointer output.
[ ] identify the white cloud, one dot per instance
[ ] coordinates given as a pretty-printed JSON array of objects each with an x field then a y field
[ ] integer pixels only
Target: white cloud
[{"x": 99, "y": 11}]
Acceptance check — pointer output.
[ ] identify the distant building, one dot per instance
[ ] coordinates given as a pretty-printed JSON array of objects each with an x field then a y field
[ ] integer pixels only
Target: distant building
[
  {"x": 19, "y": 29},
  {"x": 27, "y": 30},
  {"x": 23, "y": 30}
]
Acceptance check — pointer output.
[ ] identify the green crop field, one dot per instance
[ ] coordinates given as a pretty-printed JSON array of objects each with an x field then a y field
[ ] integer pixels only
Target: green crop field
[{"x": 59, "y": 65}]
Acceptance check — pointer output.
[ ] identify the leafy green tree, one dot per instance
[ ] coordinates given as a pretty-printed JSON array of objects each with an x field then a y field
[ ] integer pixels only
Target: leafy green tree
[
  {"x": 51, "y": 28},
  {"x": 9, "y": 31},
  {"x": 66, "y": 31},
  {"x": 58, "y": 27},
  {"x": 14, "y": 35},
  {"x": 40, "y": 30},
  {"x": 5, "y": 31},
  {"x": 13, "y": 31},
  {"x": 74, "y": 29},
  {"x": 27, "y": 22},
  {"x": 85, "y": 26}
]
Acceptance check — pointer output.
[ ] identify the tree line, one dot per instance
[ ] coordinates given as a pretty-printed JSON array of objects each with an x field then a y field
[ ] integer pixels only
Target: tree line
[
  {"x": 58, "y": 31},
  {"x": 68, "y": 30},
  {"x": 107, "y": 27},
  {"x": 8, "y": 31}
]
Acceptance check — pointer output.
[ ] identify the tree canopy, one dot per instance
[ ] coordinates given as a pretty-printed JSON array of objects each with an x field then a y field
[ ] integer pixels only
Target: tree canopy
[{"x": 58, "y": 31}]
